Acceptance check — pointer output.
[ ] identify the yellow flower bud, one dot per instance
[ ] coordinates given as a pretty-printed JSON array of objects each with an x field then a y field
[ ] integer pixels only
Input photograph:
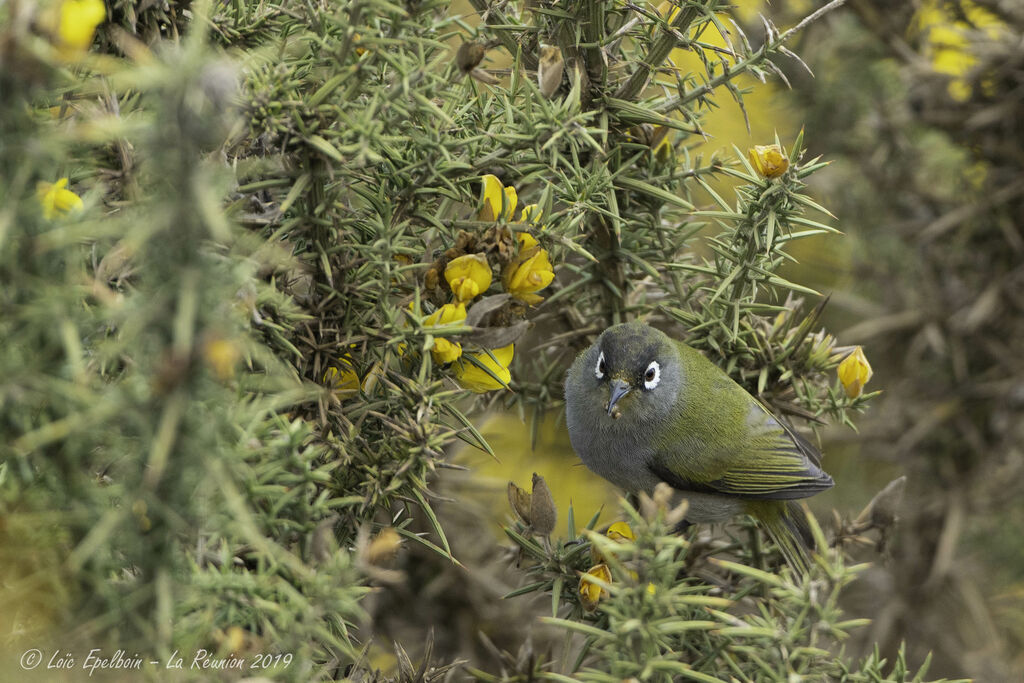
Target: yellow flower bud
[
  {"x": 476, "y": 379},
  {"x": 446, "y": 351},
  {"x": 591, "y": 592},
  {"x": 523, "y": 279},
  {"x": 76, "y": 24},
  {"x": 234, "y": 639},
  {"x": 854, "y": 372},
  {"x": 56, "y": 199},
  {"x": 620, "y": 531},
  {"x": 221, "y": 355},
  {"x": 360, "y": 51},
  {"x": 468, "y": 276},
  {"x": 498, "y": 200},
  {"x": 768, "y": 160}
]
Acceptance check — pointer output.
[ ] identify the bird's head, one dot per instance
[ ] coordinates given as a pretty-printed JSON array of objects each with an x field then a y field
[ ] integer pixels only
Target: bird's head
[{"x": 634, "y": 373}]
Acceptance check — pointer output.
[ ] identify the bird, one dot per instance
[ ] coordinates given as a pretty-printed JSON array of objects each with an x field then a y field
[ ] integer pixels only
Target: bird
[{"x": 643, "y": 408}]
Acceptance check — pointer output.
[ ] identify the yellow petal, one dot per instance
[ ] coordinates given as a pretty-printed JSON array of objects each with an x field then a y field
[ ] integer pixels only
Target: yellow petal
[
  {"x": 854, "y": 372},
  {"x": 477, "y": 379},
  {"x": 445, "y": 351},
  {"x": 56, "y": 199},
  {"x": 526, "y": 241},
  {"x": 532, "y": 275},
  {"x": 511, "y": 199},
  {"x": 221, "y": 355},
  {"x": 494, "y": 194},
  {"x": 468, "y": 276},
  {"x": 78, "y": 22},
  {"x": 620, "y": 531},
  {"x": 530, "y": 215},
  {"x": 768, "y": 160},
  {"x": 449, "y": 313},
  {"x": 591, "y": 592}
]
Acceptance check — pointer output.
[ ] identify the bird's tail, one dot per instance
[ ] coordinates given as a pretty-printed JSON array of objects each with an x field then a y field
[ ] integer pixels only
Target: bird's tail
[{"x": 787, "y": 526}]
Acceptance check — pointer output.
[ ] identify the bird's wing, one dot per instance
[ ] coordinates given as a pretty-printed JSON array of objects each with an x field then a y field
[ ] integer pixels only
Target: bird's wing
[{"x": 772, "y": 463}]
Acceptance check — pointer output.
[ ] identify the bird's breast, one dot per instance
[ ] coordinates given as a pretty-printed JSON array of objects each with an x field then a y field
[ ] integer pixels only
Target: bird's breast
[{"x": 611, "y": 448}]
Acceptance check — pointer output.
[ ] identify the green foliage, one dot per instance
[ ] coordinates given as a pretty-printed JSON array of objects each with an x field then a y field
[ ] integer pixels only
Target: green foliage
[
  {"x": 676, "y": 608},
  {"x": 222, "y": 380}
]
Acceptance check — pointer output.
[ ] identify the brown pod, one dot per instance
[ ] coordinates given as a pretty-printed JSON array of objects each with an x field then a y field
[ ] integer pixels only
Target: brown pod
[
  {"x": 549, "y": 70},
  {"x": 469, "y": 56}
]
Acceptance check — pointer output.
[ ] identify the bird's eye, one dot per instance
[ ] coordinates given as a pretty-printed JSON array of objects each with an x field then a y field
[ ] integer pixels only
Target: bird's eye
[
  {"x": 652, "y": 376},
  {"x": 600, "y": 370}
]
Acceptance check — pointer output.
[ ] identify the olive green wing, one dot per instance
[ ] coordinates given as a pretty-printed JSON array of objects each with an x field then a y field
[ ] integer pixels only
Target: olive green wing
[
  {"x": 776, "y": 463},
  {"x": 733, "y": 445}
]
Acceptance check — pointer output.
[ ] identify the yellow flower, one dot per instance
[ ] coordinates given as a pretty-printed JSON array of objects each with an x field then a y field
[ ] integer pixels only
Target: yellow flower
[
  {"x": 445, "y": 351},
  {"x": 234, "y": 639},
  {"x": 360, "y": 51},
  {"x": 620, "y": 531},
  {"x": 56, "y": 199},
  {"x": 522, "y": 280},
  {"x": 854, "y": 372},
  {"x": 526, "y": 241},
  {"x": 477, "y": 379},
  {"x": 468, "y": 276},
  {"x": 768, "y": 160},
  {"x": 498, "y": 200},
  {"x": 77, "y": 23},
  {"x": 221, "y": 355},
  {"x": 946, "y": 40},
  {"x": 342, "y": 378},
  {"x": 530, "y": 215},
  {"x": 531, "y": 270},
  {"x": 591, "y": 592}
]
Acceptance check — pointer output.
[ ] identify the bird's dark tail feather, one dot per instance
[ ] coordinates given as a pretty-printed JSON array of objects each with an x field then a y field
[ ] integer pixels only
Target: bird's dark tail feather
[{"x": 790, "y": 531}]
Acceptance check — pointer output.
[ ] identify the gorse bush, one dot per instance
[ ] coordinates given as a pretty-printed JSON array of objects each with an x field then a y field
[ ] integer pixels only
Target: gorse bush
[{"x": 260, "y": 257}]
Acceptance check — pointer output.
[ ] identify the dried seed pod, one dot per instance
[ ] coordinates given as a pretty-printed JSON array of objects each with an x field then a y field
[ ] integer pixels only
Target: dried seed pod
[
  {"x": 549, "y": 70},
  {"x": 543, "y": 513},
  {"x": 520, "y": 501},
  {"x": 469, "y": 56}
]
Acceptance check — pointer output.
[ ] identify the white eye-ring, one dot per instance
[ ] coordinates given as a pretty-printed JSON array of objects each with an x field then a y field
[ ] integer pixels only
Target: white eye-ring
[
  {"x": 652, "y": 376},
  {"x": 599, "y": 369}
]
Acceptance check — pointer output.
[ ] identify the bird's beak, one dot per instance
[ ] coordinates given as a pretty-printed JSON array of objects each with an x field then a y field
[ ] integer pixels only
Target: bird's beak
[{"x": 619, "y": 389}]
